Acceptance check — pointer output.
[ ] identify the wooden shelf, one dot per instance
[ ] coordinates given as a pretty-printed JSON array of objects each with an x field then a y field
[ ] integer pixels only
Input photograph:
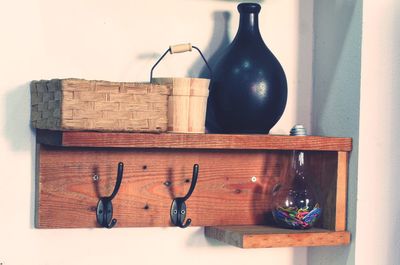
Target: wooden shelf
[
  {"x": 268, "y": 237},
  {"x": 192, "y": 141},
  {"x": 233, "y": 195}
]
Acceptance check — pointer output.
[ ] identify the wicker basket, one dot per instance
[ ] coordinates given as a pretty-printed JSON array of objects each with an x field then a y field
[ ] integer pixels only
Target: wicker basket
[{"x": 77, "y": 104}]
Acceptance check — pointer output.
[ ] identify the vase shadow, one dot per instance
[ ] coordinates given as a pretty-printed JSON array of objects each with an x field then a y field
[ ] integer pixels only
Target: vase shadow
[{"x": 218, "y": 42}]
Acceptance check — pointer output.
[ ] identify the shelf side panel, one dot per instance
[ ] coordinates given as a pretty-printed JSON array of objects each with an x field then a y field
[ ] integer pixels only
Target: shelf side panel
[
  {"x": 323, "y": 179},
  {"x": 341, "y": 191}
]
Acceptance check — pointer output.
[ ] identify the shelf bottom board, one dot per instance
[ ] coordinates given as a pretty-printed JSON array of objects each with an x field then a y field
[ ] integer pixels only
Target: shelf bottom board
[{"x": 258, "y": 236}]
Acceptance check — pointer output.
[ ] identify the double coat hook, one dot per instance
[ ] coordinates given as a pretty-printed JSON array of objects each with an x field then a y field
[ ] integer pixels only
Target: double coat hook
[
  {"x": 104, "y": 210},
  {"x": 178, "y": 207}
]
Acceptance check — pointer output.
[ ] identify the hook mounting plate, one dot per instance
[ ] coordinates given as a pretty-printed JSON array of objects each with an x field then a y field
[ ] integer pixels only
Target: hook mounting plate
[
  {"x": 104, "y": 212},
  {"x": 178, "y": 211}
]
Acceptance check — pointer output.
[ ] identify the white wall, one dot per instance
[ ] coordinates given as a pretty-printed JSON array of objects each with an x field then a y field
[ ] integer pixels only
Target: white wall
[
  {"x": 344, "y": 89},
  {"x": 119, "y": 40},
  {"x": 336, "y": 99},
  {"x": 378, "y": 211}
]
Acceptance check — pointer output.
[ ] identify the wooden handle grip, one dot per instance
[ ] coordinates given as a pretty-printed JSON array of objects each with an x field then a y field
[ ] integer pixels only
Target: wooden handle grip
[{"x": 186, "y": 47}]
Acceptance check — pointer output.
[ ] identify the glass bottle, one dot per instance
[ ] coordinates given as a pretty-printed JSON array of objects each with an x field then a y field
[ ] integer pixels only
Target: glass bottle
[{"x": 295, "y": 203}]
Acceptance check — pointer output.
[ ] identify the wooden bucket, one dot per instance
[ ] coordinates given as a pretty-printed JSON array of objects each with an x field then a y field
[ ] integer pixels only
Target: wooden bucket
[{"x": 187, "y": 103}]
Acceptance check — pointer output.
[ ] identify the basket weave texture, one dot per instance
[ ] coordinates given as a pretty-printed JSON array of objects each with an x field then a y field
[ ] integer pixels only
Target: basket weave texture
[{"x": 77, "y": 104}]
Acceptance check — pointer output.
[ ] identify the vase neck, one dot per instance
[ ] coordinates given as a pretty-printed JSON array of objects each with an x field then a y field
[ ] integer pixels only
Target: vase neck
[{"x": 248, "y": 25}]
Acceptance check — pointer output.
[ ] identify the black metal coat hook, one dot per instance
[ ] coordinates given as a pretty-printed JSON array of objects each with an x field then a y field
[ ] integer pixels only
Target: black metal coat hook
[
  {"x": 178, "y": 206},
  {"x": 104, "y": 210}
]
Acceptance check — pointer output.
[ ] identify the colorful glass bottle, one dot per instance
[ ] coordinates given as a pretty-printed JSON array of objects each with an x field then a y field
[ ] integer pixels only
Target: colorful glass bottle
[{"x": 295, "y": 204}]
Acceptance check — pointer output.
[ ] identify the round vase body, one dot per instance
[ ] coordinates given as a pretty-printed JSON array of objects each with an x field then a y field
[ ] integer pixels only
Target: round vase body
[{"x": 248, "y": 89}]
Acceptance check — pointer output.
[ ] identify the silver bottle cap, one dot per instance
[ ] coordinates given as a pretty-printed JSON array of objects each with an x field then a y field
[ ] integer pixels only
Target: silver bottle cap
[{"x": 298, "y": 130}]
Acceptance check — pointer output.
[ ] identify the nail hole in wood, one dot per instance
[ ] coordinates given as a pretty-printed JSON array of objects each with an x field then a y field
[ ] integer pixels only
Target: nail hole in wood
[
  {"x": 146, "y": 207},
  {"x": 187, "y": 180},
  {"x": 167, "y": 183},
  {"x": 144, "y": 167}
]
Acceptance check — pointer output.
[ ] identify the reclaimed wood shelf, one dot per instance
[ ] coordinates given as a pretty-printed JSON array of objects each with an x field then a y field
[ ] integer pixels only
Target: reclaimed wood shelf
[
  {"x": 268, "y": 237},
  {"x": 192, "y": 141},
  {"x": 234, "y": 188}
]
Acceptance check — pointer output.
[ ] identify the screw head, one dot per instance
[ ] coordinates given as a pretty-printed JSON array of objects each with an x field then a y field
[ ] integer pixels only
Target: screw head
[{"x": 95, "y": 177}]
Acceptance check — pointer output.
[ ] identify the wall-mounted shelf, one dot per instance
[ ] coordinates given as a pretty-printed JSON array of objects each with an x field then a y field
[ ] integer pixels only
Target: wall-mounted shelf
[
  {"x": 237, "y": 174},
  {"x": 261, "y": 236},
  {"x": 192, "y": 141}
]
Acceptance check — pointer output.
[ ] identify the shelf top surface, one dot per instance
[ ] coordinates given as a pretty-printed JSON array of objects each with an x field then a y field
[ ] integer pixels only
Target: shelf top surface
[
  {"x": 193, "y": 141},
  {"x": 267, "y": 236},
  {"x": 253, "y": 230}
]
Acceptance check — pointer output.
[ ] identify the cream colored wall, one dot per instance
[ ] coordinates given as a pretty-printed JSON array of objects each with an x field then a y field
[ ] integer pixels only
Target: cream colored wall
[
  {"x": 336, "y": 100},
  {"x": 360, "y": 98},
  {"x": 119, "y": 40},
  {"x": 378, "y": 211}
]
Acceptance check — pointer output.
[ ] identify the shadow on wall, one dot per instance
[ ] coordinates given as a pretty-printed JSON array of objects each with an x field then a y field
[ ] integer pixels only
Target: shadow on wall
[
  {"x": 198, "y": 239},
  {"x": 332, "y": 21},
  {"x": 218, "y": 42},
  {"x": 394, "y": 150},
  {"x": 150, "y": 58},
  {"x": 17, "y": 110},
  {"x": 242, "y": 1},
  {"x": 304, "y": 64},
  {"x": 336, "y": 88},
  {"x": 19, "y": 133}
]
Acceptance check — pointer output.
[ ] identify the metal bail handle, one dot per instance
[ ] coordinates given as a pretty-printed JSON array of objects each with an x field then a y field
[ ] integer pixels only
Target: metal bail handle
[{"x": 178, "y": 49}]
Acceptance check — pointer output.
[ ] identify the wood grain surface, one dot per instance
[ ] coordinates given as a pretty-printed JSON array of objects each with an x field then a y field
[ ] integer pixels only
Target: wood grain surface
[
  {"x": 187, "y": 103},
  {"x": 225, "y": 193},
  {"x": 267, "y": 236},
  {"x": 341, "y": 191},
  {"x": 193, "y": 141}
]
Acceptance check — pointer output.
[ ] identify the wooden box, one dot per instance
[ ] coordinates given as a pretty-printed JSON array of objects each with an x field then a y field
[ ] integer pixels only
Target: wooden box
[{"x": 77, "y": 104}]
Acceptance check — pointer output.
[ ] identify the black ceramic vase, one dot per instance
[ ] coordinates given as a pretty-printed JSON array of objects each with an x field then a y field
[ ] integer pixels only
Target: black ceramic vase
[{"x": 248, "y": 90}]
